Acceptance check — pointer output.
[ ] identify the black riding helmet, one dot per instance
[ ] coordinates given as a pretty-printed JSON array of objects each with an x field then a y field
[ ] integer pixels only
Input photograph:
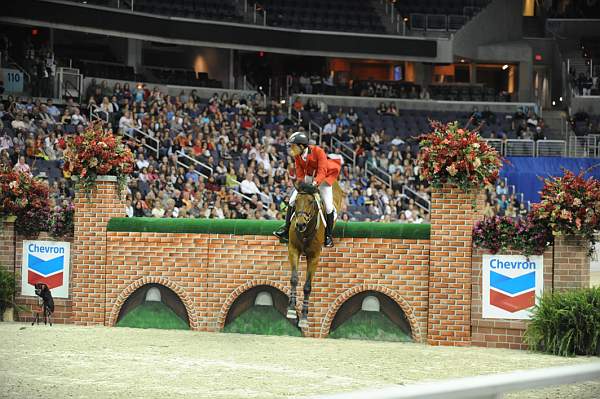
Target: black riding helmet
[{"x": 299, "y": 138}]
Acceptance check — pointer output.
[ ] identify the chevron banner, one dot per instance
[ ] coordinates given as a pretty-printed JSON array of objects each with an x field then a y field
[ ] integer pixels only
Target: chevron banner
[
  {"x": 511, "y": 285},
  {"x": 46, "y": 262}
]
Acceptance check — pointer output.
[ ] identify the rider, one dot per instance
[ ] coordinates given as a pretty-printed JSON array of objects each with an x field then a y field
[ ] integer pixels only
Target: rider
[{"x": 312, "y": 166}]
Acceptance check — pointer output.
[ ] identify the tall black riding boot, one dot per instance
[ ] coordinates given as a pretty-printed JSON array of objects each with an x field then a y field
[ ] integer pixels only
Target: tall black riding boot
[
  {"x": 329, "y": 230},
  {"x": 284, "y": 231}
]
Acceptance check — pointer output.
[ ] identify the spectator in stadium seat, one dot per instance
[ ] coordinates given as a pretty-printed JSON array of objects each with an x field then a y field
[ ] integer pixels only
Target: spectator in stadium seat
[
  {"x": 21, "y": 166},
  {"x": 53, "y": 110},
  {"x": 248, "y": 185},
  {"x": 77, "y": 118},
  {"x": 501, "y": 188},
  {"x": 356, "y": 199}
]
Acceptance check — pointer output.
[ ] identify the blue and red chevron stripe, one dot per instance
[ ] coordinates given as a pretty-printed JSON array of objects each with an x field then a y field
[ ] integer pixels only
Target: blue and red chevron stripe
[
  {"x": 523, "y": 286},
  {"x": 49, "y": 272}
]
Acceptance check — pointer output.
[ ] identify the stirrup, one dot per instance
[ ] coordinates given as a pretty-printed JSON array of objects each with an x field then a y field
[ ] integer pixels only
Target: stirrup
[
  {"x": 328, "y": 242},
  {"x": 282, "y": 235}
]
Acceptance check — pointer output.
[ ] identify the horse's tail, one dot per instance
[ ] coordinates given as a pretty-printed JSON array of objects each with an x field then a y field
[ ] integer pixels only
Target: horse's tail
[{"x": 338, "y": 197}]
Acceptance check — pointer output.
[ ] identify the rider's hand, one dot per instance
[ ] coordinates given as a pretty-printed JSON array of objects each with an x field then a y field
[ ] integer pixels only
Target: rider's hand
[{"x": 314, "y": 183}]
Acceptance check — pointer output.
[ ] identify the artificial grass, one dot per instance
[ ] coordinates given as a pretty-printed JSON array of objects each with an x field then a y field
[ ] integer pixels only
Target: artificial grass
[
  {"x": 374, "y": 326},
  {"x": 265, "y": 227},
  {"x": 262, "y": 320},
  {"x": 153, "y": 315}
]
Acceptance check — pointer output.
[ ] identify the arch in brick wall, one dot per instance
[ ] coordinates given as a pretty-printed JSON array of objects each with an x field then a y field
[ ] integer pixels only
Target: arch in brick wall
[
  {"x": 243, "y": 288},
  {"x": 337, "y": 304},
  {"x": 126, "y": 293}
]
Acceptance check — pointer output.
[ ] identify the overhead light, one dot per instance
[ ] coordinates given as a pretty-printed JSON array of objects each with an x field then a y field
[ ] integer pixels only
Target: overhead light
[
  {"x": 283, "y": 101},
  {"x": 405, "y": 19},
  {"x": 560, "y": 99},
  {"x": 462, "y": 60},
  {"x": 553, "y": 103},
  {"x": 504, "y": 67}
]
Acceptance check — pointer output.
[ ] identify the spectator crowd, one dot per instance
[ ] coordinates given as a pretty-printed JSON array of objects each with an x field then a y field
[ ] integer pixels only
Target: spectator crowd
[{"x": 222, "y": 157}]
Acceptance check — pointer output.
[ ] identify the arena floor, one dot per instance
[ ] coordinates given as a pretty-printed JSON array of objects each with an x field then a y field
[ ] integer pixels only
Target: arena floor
[{"x": 67, "y": 361}]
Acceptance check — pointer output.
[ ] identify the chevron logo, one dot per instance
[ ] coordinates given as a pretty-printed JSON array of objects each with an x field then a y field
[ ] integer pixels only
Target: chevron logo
[
  {"x": 512, "y": 294},
  {"x": 49, "y": 271}
]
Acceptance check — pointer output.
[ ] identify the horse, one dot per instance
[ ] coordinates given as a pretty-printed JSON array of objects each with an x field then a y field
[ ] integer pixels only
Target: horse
[{"x": 307, "y": 234}]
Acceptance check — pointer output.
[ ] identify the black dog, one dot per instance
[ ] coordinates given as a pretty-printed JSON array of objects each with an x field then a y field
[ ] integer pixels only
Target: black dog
[{"x": 47, "y": 303}]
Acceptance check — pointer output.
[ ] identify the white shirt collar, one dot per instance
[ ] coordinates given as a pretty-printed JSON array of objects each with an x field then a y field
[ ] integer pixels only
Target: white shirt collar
[{"x": 304, "y": 154}]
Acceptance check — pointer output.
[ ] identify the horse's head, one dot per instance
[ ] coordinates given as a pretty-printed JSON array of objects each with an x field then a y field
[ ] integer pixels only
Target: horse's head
[{"x": 307, "y": 208}]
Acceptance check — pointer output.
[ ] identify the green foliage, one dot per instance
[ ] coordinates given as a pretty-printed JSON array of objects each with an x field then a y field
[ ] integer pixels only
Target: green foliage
[
  {"x": 374, "y": 326},
  {"x": 529, "y": 236},
  {"x": 566, "y": 323},
  {"x": 263, "y": 320},
  {"x": 7, "y": 288},
  {"x": 153, "y": 315}
]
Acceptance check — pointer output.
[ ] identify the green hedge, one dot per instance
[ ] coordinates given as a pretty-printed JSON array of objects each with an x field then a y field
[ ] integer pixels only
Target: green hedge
[
  {"x": 153, "y": 315},
  {"x": 566, "y": 323},
  {"x": 262, "y": 320},
  {"x": 374, "y": 326},
  {"x": 265, "y": 227}
]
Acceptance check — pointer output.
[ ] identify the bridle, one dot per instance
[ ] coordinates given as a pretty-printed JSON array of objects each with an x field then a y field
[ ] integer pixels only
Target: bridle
[{"x": 316, "y": 199}]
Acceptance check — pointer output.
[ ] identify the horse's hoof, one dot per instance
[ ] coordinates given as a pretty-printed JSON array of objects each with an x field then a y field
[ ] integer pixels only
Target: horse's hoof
[
  {"x": 303, "y": 323},
  {"x": 291, "y": 314}
]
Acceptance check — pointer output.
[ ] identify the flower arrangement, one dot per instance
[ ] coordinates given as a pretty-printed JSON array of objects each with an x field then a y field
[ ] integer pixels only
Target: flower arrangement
[
  {"x": 450, "y": 154},
  {"x": 96, "y": 152},
  {"x": 60, "y": 223},
  {"x": 570, "y": 205},
  {"x": 26, "y": 198},
  {"x": 528, "y": 236}
]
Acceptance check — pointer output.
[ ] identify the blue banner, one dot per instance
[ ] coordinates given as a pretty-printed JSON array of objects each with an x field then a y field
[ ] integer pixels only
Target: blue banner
[{"x": 525, "y": 172}]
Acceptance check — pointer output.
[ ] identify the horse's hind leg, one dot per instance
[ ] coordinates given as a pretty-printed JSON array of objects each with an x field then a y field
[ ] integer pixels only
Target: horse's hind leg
[{"x": 291, "y": 309}]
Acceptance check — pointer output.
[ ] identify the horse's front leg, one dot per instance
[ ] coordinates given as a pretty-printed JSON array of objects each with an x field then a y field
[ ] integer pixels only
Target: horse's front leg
[
  {"x": 294, "y": 256},
  {"x": 312, "y": 262}
]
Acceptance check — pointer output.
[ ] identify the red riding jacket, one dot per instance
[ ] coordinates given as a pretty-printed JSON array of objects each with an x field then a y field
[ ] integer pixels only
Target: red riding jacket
[{"x": 318, "y": 165}]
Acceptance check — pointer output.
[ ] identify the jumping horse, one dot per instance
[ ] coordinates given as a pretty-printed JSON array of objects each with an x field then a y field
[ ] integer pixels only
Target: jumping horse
[{"x": 307, "y": 234}]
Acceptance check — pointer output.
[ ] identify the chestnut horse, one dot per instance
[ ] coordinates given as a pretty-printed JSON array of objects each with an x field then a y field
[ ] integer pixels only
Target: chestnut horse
[{"x": 307, "y": 234}]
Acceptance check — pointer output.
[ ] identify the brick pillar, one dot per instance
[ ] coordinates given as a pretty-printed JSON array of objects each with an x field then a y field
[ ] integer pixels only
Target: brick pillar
[
  {"x": 88, "y": 283},
  {"x": 452, "y": 219},
  {"x": 571, "y": 263},
  {"x": 7, "y": 245}
]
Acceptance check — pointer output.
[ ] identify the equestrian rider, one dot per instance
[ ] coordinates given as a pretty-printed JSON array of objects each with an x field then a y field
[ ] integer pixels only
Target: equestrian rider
[{"x": 312, "y": 166}]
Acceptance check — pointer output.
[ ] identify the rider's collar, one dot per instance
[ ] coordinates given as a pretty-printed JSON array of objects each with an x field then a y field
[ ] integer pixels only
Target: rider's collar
[{"x": 304, "y": 154}]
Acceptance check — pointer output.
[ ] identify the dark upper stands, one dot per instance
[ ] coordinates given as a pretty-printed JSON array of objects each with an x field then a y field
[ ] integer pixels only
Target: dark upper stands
[
  {"x": 184, "y": 77},
  {"x": 439, "y": 14},
  {"x": 338, "y": 15},
  {"x": 106, "y": 70},
  {"x": 222, "y": 10},
  {"x": 466, "y": 93}
]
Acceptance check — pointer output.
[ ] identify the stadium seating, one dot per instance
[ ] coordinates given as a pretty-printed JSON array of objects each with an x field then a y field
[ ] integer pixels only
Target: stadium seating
[
  {"x": 337, "y": 15},
  {"x": 439, "y": 15}
]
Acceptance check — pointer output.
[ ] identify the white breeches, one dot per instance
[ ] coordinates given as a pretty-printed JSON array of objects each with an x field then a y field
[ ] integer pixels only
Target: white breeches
[{"x": 326, "y": 193}]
